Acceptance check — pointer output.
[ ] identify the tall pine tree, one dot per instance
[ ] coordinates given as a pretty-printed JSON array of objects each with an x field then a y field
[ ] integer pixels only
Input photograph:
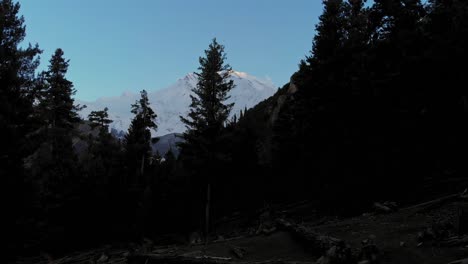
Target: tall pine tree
[
  {"x": 55, "y": 167},
  {"x": 58, "y": 103},
  {"x": 138, "y": 138},
  {"x": 202, "y": 150},
  {"x": 17, "y": 75}
]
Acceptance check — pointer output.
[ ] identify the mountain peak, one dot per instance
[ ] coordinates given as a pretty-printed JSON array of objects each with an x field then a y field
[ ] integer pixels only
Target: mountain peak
[
  {"x": 238, "y": 74},
  {"x": 191, "y": 76},
  {"x": 174, "y": 101}
]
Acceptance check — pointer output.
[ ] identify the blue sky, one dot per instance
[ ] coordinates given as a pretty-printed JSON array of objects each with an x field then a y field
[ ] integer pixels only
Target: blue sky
[{"x": 123, "y": 45}]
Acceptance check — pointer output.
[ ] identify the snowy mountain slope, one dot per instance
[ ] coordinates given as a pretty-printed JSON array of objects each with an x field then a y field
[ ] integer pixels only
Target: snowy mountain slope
[
  {"x": 166, "y": 142},
  {"x": 171, "y": 102}
]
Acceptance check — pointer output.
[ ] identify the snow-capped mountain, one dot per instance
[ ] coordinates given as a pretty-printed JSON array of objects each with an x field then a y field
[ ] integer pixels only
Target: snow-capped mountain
[{"x": 171, "y": 102}]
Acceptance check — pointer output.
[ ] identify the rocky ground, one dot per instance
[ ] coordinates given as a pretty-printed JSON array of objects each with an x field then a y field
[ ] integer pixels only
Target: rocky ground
[{"x": 432, "y": 232}]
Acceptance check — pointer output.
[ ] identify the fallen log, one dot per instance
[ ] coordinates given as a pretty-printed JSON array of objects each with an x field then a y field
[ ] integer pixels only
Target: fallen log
[
  {"x": 227, "y": 239},
  {"x": 378, "y": 207},
  {"x": 95, "y": 256},
  {"x": 433, "y": 203},
  {"x": 319, "y": 243},
  {"x": 455, "y": 241},
  {"x": 158, "y": 259},
  {"x": 461, "y": 261}
]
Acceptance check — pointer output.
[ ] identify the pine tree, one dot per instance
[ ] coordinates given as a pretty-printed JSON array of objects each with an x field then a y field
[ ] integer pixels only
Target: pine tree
[
  {"x": 355, "y": 79},
  {"x": 138, "y": 138},
  {"x": 317, "y": 72},
  {"x": 59, "y": 117},
  {"x": 397, "y": 43},
  {"x": 101, "y": 162},
  {"x": 391, "y": 17},
  {"x": 307, "y": 126},
  {"x": 100, "y": 119},
  {"x": 208, "y": 111},
  {"x": 53, "y": 167},
  {"x": 17, "y": 76},
  {"x": 169, "y": 166},
  {"x": 58, "y": 114},
  {"x": 58, "y": 103},
  {"x": 330, "y": 32},
  {"x": 357, "y": 31},
  {"x": 202, "y": 149}
]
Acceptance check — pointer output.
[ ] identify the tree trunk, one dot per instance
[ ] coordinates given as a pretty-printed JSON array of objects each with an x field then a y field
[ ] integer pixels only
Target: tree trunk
[
  {"x": 207, "y": 212},
  {"x": 142, "y": 168}
]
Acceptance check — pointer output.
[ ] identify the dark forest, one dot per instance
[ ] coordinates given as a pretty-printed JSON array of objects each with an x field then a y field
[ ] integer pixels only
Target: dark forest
[{"x": 373, "y": 127}]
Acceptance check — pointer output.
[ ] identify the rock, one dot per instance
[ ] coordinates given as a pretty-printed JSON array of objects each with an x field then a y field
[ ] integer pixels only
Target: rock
[
  {"x": 279, "y": 104},
  {"x": 338, "y": 254},
  {"x": 147, "y": 245},
  {"x": 195, "y": 238},
  {"x": 268, "y": 231},
  {"x": 318, "y": 242},
  {"x": 103, "y": 258},
  {"x": 369, "y": 253},
  {"x": 426, "y": 235},
  {"x": 439, "y": 231},
  {"x": 402, "y": 244},
  {"x": 420, "y": 236},
  {"x": 461, "y": 221},
  {"x": 292, "y": 87},
  {"x": 323, "y": 260},
  {"x": 238, "y": 251},
  {"x": 251, "y": 231}
]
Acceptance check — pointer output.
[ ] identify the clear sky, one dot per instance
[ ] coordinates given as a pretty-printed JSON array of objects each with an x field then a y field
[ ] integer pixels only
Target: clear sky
[{"x": 130, "y": 45}]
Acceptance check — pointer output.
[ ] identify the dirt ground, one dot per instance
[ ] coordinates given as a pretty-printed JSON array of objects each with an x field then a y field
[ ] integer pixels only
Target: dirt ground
[
  {"x": 395, "y": 235},
  {"x": 279, "y": 245}
]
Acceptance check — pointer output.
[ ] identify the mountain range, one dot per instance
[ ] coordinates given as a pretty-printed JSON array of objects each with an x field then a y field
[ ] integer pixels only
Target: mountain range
[{"x": 172, "y": 102}]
